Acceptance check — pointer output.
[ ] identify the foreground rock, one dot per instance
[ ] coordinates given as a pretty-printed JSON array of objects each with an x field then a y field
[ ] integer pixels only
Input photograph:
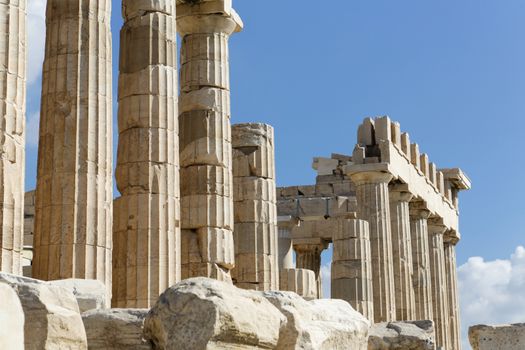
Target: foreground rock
[
  {"x": 409, "y": 335},
  {"x": 90, "y": 294},
  {"x": 11, "y": 319},
  {"x": 115, "y": 329},
  {"x": 52, "y": 318},
  {"x": 508, "y": 337},
  {"x": 201, "y": 313},
  {"x": 319, "y": 324}
]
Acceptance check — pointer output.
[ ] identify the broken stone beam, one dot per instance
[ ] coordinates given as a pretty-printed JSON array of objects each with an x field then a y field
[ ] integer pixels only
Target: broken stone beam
[
  {"x": 146, "y": 257},
  {"x": 74, "y": 192},
  {"x": 255, "y": 209},
  {"x": 402, "y": 252},
  {"x": 421, "y": 261},
  {"x": 12, "y": 108},
  {"x": 205, "y": 136},
  {"x": 352, "y": 266},
  {"x": 373, "y": 205}
]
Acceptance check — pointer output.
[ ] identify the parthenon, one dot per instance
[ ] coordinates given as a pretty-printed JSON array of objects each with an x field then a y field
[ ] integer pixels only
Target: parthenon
[{"x": 197, "y": 195}]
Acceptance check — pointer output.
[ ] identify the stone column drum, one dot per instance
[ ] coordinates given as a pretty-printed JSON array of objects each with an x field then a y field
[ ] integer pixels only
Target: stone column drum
[
  {"x": 147, "y": 215},
  {"x": 439, "y": 283},
  {"x": 402, "y": 253},
  {"x": 452, "y": 292},
  {"x": 308, "y": 257},
  {"x": 373, "y": 205},
  {"x": 12, "y": 129},
  {"x": 74, "y": 192},
  {"x": 255, "y": 207},
  {"x": 352, "y": 266},
  {"x": 205, "y": 138},
  {"x": 421, "y": 278},
  {"x": 285, "y": 246}
]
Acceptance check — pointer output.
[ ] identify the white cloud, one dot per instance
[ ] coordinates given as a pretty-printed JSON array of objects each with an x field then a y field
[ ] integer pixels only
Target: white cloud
[
  {"x": 326, "y": 281},
  {"x": 32, "y": 130},
  {"x": 36, "y": 38},
  {"x": 492, "y": 292}
]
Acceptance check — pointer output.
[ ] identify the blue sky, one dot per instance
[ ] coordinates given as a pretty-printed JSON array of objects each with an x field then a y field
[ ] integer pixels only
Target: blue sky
[{"x": 451, "y": 72}]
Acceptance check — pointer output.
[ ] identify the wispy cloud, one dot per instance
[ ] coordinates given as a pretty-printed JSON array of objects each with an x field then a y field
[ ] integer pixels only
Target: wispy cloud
[
  {"x": 492, "y": 292},
  {"x": 36, "y": 38}
]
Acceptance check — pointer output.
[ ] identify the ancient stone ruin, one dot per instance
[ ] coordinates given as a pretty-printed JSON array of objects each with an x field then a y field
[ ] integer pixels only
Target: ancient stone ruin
[{"x": 199, "y": 227}]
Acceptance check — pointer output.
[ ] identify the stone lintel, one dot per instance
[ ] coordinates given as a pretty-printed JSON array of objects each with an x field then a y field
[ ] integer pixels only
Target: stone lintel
[{"x": 458, "y": 178}]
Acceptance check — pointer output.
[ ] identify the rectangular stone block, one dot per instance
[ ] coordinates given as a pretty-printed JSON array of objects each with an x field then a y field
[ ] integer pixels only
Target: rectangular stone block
[
  {"x": 254, "y": 188},
  {"x": 350, "y": 269},
  {"x": 198, "y": 211},
  {"x": 300, "y": 281},
  {"x": 255, "y": 211},
  {"x": 255, "y": 268},
  {"x": 254, "y": 237},
  {"x": 206, "y": 180}
]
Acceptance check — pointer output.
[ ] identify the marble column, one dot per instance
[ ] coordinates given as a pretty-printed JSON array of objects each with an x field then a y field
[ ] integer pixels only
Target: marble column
[
  {"x": 205, "y": 138},
  {"x": 74, "y": 192},
  {"x": 146, "y": 258},
  {"x": 13, "y": 38},
  {"x": 285, "y": 246},
  {"x": 373, "y": 205},
  {"x": 308, "y": 257},
  {"x": 255, "y": 207},
  {"x": 439, "y": 283},
  {"x": 352, "y": 266},
  {"x": 402, "y": 253},
  {"x": 452, "y": 292},
  {"x": 421, "y": 277}
]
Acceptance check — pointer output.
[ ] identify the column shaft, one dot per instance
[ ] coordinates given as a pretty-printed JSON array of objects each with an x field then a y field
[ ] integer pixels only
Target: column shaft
[
  {"x": 453, "y": 296},
  {"x": 206, "y": 148},
  {"x": 285, "y": 246},
  {"x": 12, "y": 128},
  {"x": 439, "y": 285},
  {"x": 373, "y": 206},
  {"x": 308, "y": 257},
  {"x": 352, "y": 266},
  {"x": 147, "y": 215},
  {"x": 402, "y": 255},
  {"x": 255, "y": 208},
  {"x": 421, "y": 278},
  {"x": 74, "y": 192}
]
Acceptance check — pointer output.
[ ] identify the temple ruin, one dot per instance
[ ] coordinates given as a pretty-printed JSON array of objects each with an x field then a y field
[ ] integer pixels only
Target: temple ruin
[{"x": 197, "y": 195}]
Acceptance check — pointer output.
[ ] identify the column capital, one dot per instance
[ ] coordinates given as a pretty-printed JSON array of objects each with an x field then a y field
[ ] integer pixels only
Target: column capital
[
  {"x": 451, "y": 237},
  {"x": 309, "y": 245},
  {"x": 370, "y": 177},
  {"x": 205, "y": 16},
  {"x": 400, "y": 193}
]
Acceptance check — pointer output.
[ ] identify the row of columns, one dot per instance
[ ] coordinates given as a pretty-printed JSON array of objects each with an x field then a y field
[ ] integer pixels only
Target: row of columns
[
  {"x": 413, "y": 264},
  {"x": 77, "y": 235}
]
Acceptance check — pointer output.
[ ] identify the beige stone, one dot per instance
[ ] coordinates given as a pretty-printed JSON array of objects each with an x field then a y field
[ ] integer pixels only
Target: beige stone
[
  {"x": 507, "y": 337},
  {"x": 11, "y": 319},
  {"x": 374, "y": 207},
  {"x": 146, "y": 257},
  {"x": 74, "y": 193},
  {"x": 402, "y": 253},
  {"x": 300, "y": 281},
  {"x": 52, "y": 317},
  {"x": 319, "y": 324},
  {"x": 90, "y": 294},
  {"x": 234, "y": 318},
  {"x": 115, "y": 329},
  {"x": 13, "y": 37},
  {"x": 205, "y": 129},
  {"x": 408, "y": 335},
  {"x": 452, "y": 292},
  {"x": 351, "y": 273}
]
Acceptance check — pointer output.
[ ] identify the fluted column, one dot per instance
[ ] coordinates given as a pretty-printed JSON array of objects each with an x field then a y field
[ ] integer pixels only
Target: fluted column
[
  {"x": 373, "y": 206},
  {"x": 439, "y": 284},
  {"x": 421, "y": 277},
  {"x": 402, "y": 253},
  {"x": 285, "y": 246},
  {"x": 12, "y": 129},
  {"x": 255, "y": 207},
  {"x": 147, "y": 215},
  {"x": 308, "y": 257},
  {"x": 205, "y": 129},
  {"x": 452, "y": 292},
  {"x": 74, "y": 192},
  {"x": 352, "y": 266}
]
